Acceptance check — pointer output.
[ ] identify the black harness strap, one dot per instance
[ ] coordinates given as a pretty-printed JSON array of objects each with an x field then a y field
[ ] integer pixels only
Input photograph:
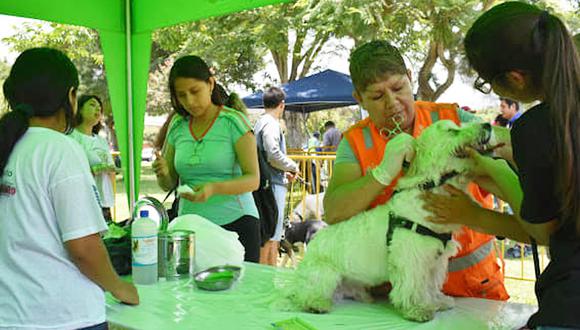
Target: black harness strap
[
  {"x": 428, "y": 185},
  {"x": 396, "y": 221}
]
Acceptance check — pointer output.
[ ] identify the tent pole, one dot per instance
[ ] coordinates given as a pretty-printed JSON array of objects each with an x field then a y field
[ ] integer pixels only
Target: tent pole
[{"x": 130, "y": 144}]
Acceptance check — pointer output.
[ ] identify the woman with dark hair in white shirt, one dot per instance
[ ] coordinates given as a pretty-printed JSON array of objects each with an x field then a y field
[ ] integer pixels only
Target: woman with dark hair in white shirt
[{"x": 54, "y": 265}]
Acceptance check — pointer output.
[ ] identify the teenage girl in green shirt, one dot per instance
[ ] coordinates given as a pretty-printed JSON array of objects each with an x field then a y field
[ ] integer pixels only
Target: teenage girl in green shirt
[{"x": 212, "y": 149}]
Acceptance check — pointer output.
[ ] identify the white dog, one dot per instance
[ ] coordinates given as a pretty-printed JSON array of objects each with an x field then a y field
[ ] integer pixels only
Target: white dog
[
  {"x": 393, "y": 242},
  {"x": 309, "y": 208}
]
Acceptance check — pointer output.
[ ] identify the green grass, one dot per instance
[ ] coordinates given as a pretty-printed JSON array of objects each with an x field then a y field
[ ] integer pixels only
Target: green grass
[
  {"x": 148, "y": 187},
  {"x": 522, "y": 291}
]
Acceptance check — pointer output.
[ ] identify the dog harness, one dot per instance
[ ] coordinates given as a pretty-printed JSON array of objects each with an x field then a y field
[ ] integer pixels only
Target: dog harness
[
  {"x": 396, "y": 221},
  {"x": 428, "y": 185},
  {"x": 472, "y": 274}
]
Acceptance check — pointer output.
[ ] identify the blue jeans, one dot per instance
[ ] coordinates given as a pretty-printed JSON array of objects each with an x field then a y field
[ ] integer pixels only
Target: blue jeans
[{"x": 280, "y": 196}]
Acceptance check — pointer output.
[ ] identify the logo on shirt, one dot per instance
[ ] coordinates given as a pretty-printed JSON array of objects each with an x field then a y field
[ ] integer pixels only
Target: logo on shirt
[
  {"x": 7, "y": 190},
  {"x": 7, "y": 186},
  {"x": 97, "y": 196}
]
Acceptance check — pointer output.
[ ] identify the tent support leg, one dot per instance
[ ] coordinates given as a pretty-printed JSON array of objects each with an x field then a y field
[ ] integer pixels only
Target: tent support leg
[{"x": 130, "y": 142}]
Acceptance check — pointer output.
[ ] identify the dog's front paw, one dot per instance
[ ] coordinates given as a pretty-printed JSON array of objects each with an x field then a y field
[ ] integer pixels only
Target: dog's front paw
[
  {"x": 353, "y": 291},
  {"x": 321, "y": 307},
  {"x": 419, "y": 314},
  {"x": 445, "y": 302},
  {"x": 364, "y": 296}
]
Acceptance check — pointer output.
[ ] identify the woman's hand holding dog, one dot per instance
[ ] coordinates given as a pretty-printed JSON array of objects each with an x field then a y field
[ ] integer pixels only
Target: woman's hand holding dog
[
  {"x": 456, "y": 207},
  {"x": 485, "y": 171},
  {"x": 493, "y": 175},
  {"x": 399, "y": 150}
]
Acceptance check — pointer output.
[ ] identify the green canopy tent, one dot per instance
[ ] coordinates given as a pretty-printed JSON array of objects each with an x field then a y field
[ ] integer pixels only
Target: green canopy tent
[{"x": 125, "y": 28}]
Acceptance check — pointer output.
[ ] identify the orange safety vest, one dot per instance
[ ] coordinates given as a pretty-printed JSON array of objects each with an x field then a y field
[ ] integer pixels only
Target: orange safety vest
[{"x": 474, "y": 271}]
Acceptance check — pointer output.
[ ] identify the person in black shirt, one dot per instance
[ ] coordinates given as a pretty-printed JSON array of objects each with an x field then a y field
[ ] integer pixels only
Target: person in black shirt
[{"x": 537, "y": 62}]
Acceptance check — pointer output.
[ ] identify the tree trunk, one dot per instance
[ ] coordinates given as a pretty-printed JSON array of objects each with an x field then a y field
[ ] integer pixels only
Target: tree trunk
[
  {"x": 280, "y": 59},
  {"x": 450, "y": 66},
  {"x": 296, "y": 134},
  {"x": 425, "y": 91}
]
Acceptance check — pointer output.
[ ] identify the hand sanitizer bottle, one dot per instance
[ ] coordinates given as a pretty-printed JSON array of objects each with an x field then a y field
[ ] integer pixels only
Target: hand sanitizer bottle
[{"x": 144, "y": 249}]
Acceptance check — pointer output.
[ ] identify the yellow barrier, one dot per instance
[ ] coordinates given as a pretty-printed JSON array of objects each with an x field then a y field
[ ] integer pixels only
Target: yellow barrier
[
  {"x": 526, "y": 263},
  {"x": 315, "y": 170}
]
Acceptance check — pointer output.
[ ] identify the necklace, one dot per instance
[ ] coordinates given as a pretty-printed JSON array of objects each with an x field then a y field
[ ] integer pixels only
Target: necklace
[
  {"x": 211, "y": 122},
  {"x": 196, "y": 155}
]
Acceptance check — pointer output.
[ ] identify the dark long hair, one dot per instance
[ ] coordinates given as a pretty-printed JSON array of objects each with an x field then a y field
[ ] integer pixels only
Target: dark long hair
[
  {"x": 79, "y": 117},
  {"x": 162, "y": 133},
  {"x": 37, "y": 86},
  {"x": 519, "y": 36},
  {"x": 194, "y": 67}
]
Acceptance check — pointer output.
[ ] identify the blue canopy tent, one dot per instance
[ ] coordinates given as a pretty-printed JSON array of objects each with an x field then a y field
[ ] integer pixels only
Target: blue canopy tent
[{"x": 325, "y": 90}]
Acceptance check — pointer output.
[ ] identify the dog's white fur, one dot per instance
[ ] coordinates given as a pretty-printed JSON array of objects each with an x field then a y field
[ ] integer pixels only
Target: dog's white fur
[
  {"x": 348, "y": 257},
  {"x": 309, "y": 208}
]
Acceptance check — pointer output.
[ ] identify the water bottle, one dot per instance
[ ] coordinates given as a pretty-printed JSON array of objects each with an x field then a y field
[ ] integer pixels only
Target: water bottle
[{"x": 144, "y": 249}]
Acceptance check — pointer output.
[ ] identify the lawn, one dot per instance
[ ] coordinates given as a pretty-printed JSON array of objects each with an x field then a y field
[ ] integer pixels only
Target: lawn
[{"x": 148, "y": 187}]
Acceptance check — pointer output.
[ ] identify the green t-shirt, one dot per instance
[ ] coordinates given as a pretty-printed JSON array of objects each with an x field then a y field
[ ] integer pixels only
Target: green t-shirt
[
  {"x": 344, "y": 152},
  {"x": 212, "y": 158}
]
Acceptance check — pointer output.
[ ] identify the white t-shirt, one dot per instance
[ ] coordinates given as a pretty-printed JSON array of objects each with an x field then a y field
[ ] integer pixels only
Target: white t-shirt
[
  {"x": 47, "y": 197},
  {"x": 99, "y": 156}
]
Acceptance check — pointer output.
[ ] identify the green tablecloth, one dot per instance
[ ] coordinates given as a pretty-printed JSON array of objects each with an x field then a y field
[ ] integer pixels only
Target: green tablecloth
[{"x": 248, "y": 305}]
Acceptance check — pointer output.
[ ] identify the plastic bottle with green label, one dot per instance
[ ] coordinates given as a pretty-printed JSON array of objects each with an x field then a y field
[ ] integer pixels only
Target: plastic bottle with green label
[{"x": 144, "y": 234}]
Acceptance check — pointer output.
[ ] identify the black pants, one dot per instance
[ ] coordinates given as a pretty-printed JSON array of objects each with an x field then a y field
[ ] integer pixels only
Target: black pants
[
  {"x": 101, "y": 326},
  {"x": 248, "y": 229},
  {"x": 107, "y": 214}
]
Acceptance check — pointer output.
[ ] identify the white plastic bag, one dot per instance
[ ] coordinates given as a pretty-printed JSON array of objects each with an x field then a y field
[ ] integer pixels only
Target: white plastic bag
[{"x": 214, "y": 245}]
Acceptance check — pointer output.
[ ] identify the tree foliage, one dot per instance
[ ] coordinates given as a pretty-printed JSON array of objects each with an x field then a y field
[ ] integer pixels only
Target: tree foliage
[
  {"x": 296, "y": 37},
  {"x": 82, "y": 45},
  {"x": 4, "y": 72}
]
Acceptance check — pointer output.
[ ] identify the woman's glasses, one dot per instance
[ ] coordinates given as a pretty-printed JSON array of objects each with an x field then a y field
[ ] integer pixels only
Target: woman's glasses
[{"x": 482, "y": 85}]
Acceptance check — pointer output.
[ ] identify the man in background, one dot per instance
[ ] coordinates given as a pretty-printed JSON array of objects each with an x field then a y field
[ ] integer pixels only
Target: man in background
[
  {"x": 283, "y": 170},
  {"x": 331, "y": 137},
  {"x": 510, "y": 110}
]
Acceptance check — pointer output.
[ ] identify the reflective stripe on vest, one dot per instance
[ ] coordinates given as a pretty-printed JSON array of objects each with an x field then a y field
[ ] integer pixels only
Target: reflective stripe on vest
[{"x": 471, "y": 259}]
